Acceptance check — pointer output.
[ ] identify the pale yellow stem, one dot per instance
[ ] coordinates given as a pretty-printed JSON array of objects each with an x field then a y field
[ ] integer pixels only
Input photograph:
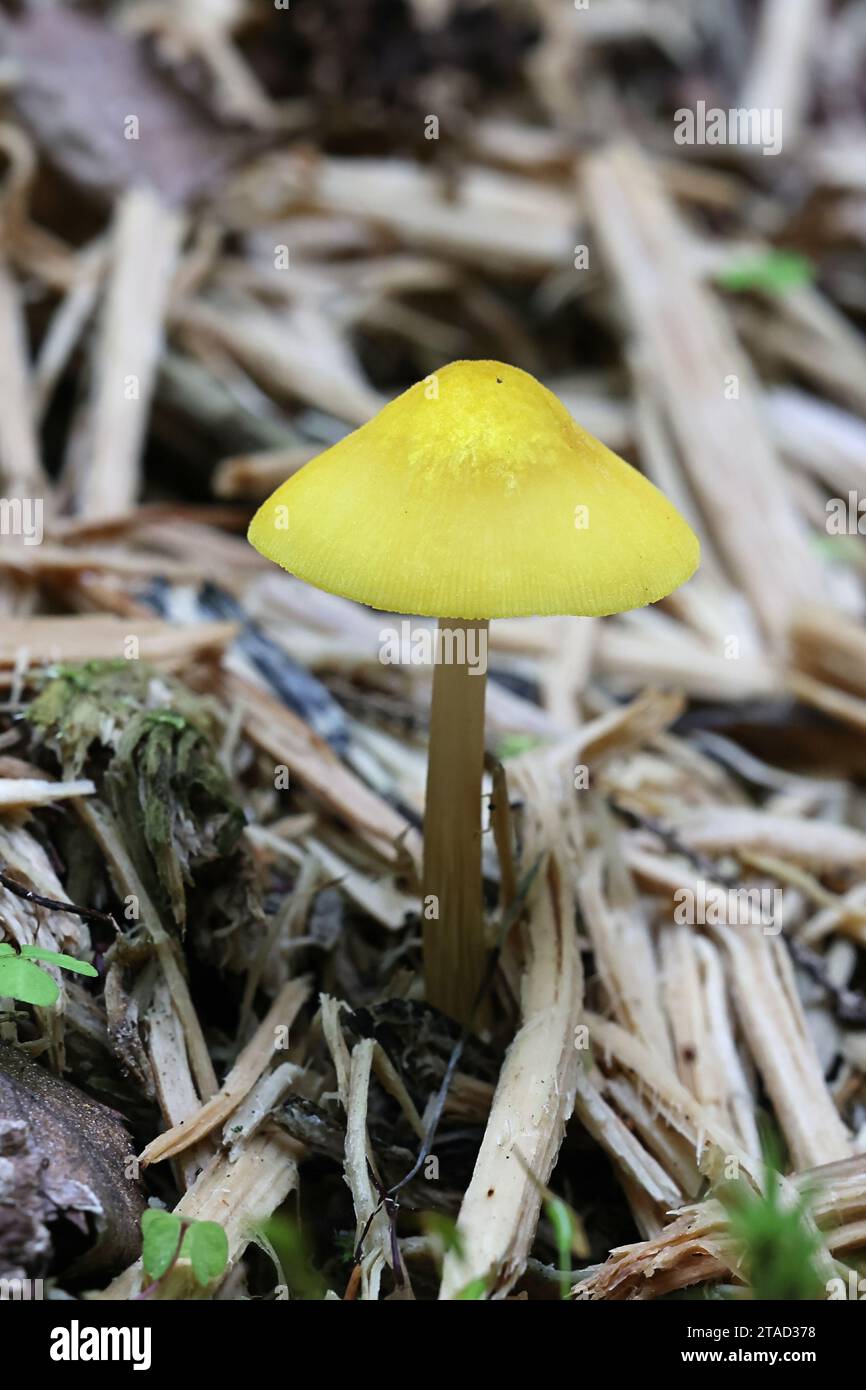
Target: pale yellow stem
[{"x": 454, "y": 945}]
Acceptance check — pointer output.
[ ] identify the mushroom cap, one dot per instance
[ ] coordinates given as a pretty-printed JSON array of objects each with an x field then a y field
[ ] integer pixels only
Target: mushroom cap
[{"x": 476, "y": 495}]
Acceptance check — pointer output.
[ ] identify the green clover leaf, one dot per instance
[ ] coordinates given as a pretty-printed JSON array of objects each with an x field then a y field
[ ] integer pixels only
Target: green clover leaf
[
  {"x": 206, "y": 1247},
  {"x": 80, "y": 967},
  {"x": 161, "y": 1232},
  {"x": 26, "y": 982}
]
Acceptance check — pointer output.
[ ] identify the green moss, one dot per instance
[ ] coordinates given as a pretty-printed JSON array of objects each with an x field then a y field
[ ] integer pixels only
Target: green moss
[
  {"x": 777, "y": 1242},
  {"x": 150, "y": 746}
]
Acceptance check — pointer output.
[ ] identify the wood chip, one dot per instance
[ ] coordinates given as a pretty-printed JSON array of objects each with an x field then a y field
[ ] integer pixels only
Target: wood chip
[
  {"x": 242, "y": 1077},
  {"x": 143, "y": 249}
]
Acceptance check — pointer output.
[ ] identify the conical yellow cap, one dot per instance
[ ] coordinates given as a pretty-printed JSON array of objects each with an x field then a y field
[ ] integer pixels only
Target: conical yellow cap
[{"x": 475, "y": 495}]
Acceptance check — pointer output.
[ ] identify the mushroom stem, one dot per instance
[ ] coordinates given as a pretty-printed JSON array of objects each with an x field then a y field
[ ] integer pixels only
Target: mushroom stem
[{"x": 454, "y": 946}]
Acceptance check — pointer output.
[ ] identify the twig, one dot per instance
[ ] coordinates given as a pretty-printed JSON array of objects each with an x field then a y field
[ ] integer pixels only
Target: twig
[
  {"x": 90, "y": 914},
  {"x": 848, "y": 1005}
]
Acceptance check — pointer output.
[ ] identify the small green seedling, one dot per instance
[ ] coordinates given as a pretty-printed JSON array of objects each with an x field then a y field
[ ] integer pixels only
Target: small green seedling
[
  {"x": 448, "y": 1240},
  {"x": 166, "y": 1238},
  {"x": 771, "y": 272},
  {"x": 512, "y": 745},
  {"x": 283, "y": 1239},
  {"x": 443, "y": 1230},
  {"x": 566, "y": 1231},
  {"x": 475, "y": 1289},
  {"x": 22, "y": 980}
]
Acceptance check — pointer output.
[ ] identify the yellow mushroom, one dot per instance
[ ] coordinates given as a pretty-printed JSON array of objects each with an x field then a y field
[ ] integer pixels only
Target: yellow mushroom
[{"x": 474, "y": 495}]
